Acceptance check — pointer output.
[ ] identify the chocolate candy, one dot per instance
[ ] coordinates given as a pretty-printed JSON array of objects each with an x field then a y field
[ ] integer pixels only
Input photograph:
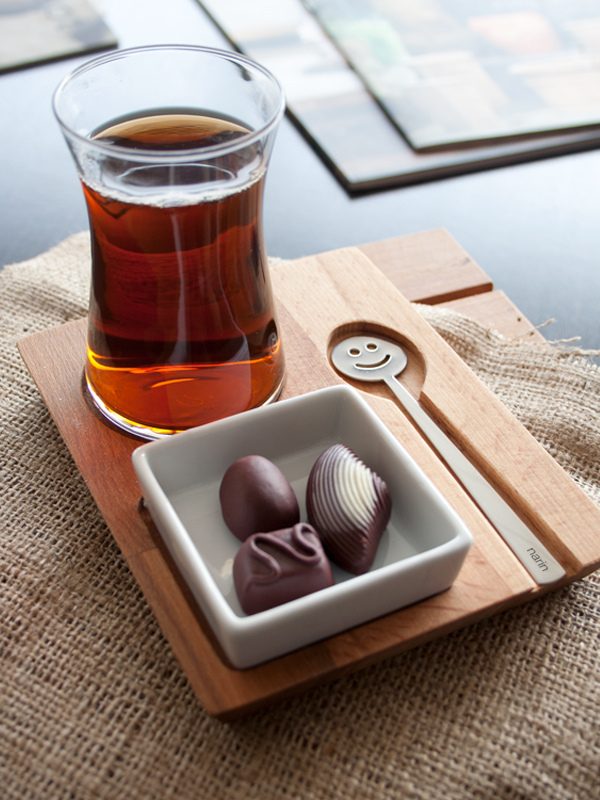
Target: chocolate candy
[
  {"x": 349, "y": 505},
  {"x": 256, "y": 496},
  {"x": 273, "y": 568}
]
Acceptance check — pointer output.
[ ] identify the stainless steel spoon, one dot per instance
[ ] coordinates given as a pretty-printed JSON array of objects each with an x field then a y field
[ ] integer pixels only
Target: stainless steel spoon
[{"x": 371, "y": 358}]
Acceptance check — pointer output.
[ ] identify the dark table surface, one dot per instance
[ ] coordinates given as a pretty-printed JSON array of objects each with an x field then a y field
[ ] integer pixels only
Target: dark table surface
[{"x": 533, "y": 227}]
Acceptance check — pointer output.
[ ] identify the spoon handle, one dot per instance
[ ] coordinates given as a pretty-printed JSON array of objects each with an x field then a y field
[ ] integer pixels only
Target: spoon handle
[{"x": 526, "y": 546}]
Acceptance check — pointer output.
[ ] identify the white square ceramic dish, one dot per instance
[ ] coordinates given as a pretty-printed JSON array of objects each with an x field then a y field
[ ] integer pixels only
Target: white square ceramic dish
[{"x": 420, "y": 553}]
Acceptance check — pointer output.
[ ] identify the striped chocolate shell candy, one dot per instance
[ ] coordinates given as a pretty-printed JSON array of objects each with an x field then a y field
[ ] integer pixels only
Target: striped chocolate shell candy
[{"x": 349, "y": 505}]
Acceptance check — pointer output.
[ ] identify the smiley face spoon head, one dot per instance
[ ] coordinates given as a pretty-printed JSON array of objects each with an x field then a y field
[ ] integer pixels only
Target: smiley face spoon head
[{"x": 368, "y": 358}]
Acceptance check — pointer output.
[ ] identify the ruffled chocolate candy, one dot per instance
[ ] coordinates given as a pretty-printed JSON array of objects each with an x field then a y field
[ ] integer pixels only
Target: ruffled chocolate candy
[
  {"x": 349, "y": 505},
  {"x": 273, "y": 568}
]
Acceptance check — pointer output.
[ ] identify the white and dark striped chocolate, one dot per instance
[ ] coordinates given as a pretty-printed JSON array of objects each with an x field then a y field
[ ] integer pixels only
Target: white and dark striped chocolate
[{"x": 349, "y": 505}]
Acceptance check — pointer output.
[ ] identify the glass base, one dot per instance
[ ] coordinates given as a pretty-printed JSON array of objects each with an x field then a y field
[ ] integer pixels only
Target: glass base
[{"x": 143, "y": 431}]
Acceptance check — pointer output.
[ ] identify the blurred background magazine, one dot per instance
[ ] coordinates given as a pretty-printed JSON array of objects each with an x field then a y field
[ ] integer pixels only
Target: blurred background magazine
[
  {"x": 35, "y": 31},
  {"x": 338, "y": 115},
  {"x": 449, "y": 72}
]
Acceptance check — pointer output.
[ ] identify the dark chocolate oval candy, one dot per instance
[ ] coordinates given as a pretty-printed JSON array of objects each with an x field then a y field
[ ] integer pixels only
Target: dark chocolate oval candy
[{"x": 256, "y": 497}]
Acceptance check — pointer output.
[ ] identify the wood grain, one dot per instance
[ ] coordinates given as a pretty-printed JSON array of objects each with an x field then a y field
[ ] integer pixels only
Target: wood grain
[
  {"x": 315, "y": 296},
  {"x": 429, "y": 267},
  {"x": 496, "y": 311}
]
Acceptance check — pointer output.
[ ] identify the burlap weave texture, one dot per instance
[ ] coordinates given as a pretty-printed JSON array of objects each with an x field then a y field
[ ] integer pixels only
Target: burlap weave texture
[{"x": 94, "y": 705}]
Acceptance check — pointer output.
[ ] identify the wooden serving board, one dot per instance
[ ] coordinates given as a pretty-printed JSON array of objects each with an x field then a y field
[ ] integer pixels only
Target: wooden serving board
[{"x": 319, "y": 297}]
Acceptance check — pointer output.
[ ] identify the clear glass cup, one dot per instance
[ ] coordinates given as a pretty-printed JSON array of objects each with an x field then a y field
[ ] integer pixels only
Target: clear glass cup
[{"x": 172, "y": 145}]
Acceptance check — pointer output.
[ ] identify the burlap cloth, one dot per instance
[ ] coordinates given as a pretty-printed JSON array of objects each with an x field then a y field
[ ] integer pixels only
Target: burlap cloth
[{"x": 94, "y": 704}]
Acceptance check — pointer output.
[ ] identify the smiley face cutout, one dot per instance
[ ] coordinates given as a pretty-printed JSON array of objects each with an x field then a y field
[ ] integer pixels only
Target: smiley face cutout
[{"x": 368, "y": 358}]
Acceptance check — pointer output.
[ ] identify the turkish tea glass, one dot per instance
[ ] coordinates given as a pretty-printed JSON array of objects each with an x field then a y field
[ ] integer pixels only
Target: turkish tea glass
[{"x": 172, "y": 144}]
